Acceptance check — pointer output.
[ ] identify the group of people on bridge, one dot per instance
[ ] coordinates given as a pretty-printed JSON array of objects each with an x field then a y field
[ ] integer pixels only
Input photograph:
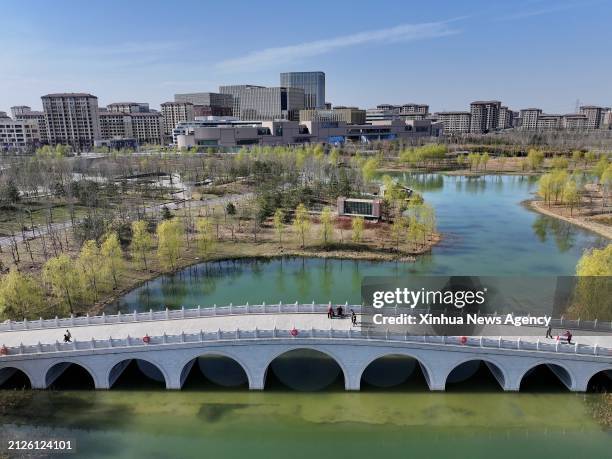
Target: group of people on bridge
[{"x": 339, "y": 313}]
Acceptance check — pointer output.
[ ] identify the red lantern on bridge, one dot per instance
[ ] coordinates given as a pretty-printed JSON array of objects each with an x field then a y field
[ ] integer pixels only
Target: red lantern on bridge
[
  {"x": 294, "y": 331},
  {"x": 463, "y": 339},
  {"x": 146, "y": 339},
  {"x": 3, "y": 350}
]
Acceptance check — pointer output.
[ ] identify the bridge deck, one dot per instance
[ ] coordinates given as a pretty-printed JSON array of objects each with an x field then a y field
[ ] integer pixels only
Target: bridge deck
[{"x": 243, "y": 321}]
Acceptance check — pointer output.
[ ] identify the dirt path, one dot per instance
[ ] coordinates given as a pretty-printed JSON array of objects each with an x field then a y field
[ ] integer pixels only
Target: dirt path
[{"x": 601, "y": 229}]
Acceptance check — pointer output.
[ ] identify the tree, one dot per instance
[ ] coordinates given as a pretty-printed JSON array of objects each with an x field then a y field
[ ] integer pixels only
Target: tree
[
  {"x": 545, "y": 188},
  {"x": 206, "y": 235},
  {"x": 20, "y": 296},
  {"x": 61, "y": 274},
  {"x": 606, "y": 184},
  {"x": 484, "y": 159},
  {"x": 112, "y": 257},
  {"x": 570, "y": 195},
  {"x": 301, "y": 222},
  {"x": 357, "y": 225},
  {"x": 90, "y": 264},
  {"x": 326, "y": 226},
  {"x": 535, "y": 158},
  {"x": 593, "y": 290},
  {"x": 279, "y": 226},
  {"x": 397, "y": 229},
  {"x": 141, "y": 241},
  {"x": 369, "y": 168},
  {"x": 170, "y": 242},
  {"x": 559, "y": 162}
]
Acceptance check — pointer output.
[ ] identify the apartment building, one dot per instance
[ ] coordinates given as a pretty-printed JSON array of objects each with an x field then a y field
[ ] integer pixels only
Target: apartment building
[
  {"x": 312, "y": 83},
  {"x": 484, "y": 116},
  {"x": 128, "y": 107},
  {"x": 506, "y": 118},
  {"x": 529, "y": 118},
  {"x": 595, "y": 116},
  {"x": 148, "y": 127},
  {"x": 350, "y": 115},
  {"x": 174, "y": 113},
  {"x": 455, "y": 122},
  {"x": 72, "y": 119},
  {"x": 115, "y": 125},
  {"x": 25, "y": 113},
  {"x": 252, "y": 103},
  {"x": 547, "y": 122},
  {"x": 574, "y": 121},
  {"x": 18, "y": 134}
]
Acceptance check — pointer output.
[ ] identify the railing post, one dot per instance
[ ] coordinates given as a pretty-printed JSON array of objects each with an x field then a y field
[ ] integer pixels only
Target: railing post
[
  {"x": 214, "y": 309},
  {"x": 167, "y": 313},
  {"x": 119, "y": 316},
  {"x": 387, "y": 334},
  {"x": 164, "y": 338},
  {"x": 182, "y": 312},
  {"x": 93, "y": 343},
  {"x": 135, "y": 316},
  {"x": 56, "y": 321},
  {"x": 237, "y": 333},
  {"x": 595, "y": 349},
  {"x": 110, "y": 341},
  {"x": 256, "y": 332},
  {"x": 595, "y": 324},
  {"x": 538, "y": 344},
  {"x": 199, "y": 311},
  {"x": 518, "y": 343},
  {"x": 218, "y": 333},
  {"x": 557, "y": 346},
  {"x": 150, "y": 314},
  {"x": 40, "y": 321},
  {"x": 57, "y": 345},
  {"x": 499, "y": 342},
  {"x": 39, "y": 347},
  {"x": 247, "y": 307},
  {"x": 72, "y": 319},
  {"x": 576, "y": 346},
  {"x": 231, "y": 308},
  {"x": 129, "y": 340},
  {"x": 201, "y": 335},
  {"x": 182, "y": 337},
  {"x": 274, "y": 332},
  {"x": 25, "y": 323},
  {"x": 481, "y": 341},
  {"x": 88, "y": 322}
]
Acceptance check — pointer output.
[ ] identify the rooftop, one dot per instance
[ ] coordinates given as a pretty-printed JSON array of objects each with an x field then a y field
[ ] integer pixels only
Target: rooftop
[{"x": 69, "y": 94}]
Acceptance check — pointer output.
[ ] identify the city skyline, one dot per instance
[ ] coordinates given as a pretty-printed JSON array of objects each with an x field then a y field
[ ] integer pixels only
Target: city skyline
[{"x": 407, "y": 56}]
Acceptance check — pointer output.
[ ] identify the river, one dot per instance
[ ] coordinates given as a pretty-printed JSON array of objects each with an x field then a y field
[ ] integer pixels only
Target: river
[{"x": 486, "y": 232}]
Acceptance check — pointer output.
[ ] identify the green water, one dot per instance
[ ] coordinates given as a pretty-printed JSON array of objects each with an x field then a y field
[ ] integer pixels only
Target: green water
[{"x": 487, "y": 232}]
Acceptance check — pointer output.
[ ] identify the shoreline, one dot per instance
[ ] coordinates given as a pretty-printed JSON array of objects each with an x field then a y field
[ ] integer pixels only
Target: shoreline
[
  {"x": 538, "y": 206},
  {"x": 370, "y": 254}
]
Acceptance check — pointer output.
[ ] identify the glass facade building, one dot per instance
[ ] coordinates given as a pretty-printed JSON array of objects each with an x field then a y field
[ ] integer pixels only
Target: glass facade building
[{"x": 313, "y": 84}]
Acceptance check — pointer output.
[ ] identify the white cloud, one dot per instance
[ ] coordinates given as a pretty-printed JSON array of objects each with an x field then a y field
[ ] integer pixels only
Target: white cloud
[{"x": 285, "y": 54}]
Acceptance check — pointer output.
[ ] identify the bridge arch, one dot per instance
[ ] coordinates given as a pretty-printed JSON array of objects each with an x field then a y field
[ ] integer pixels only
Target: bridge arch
[
  {"x": 325, "y": 351},
  {"x": 56, "y": 369},
  {"x": 495, "y": 368},
  {"x": 427, "y": 372},
  {"x": 600, "y": 380},
  {"x": 561, "y": 371},
  {"x": 187, "y": 363},
  {"x": 121, "y": 363},
  {"x": 9, "y": 374}
]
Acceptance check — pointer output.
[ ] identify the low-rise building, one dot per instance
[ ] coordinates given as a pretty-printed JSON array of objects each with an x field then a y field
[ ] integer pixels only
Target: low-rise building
[
  {"x": 529, "y": 118},
  {"x": 226, "y": 134},
  {"x": 25, "y": 113},
  {"x": 574, "y": 121},
  {"x": 355, "y": 207},
  {"x": 547, "y": 122},
  {"x": 350, "y": 115}
]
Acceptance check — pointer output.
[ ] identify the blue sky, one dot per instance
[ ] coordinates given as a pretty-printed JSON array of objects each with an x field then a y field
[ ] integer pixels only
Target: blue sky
[{"x": 445, "y": 53}]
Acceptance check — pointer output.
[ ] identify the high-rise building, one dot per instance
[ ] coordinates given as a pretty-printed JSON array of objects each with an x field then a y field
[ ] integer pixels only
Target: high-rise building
[
  {"x": 72, "y": 119},
  {"x": 207, "y": 103},
  {"x": 455, "y": 122},
  {"x": 529, "y": 118},
  {"x": 506, "y": 118},
  {"x": 115, "y": 125},
  {"x": 595, "y": 116},
  {"x": 147, "y": 127},
  {"x": 484, "y": 116},
  {"x": 174, "y": 113},
  {"x": 258, "y": 103},
  {"x": 313, "y": 84}
]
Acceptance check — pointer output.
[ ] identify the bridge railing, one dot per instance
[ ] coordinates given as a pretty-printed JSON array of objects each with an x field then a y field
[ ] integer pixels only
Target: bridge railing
[
  {"x": 350, "y": 334},
  {"x": 172, "y": 314},
  {"x": 277, "y": 308}
]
